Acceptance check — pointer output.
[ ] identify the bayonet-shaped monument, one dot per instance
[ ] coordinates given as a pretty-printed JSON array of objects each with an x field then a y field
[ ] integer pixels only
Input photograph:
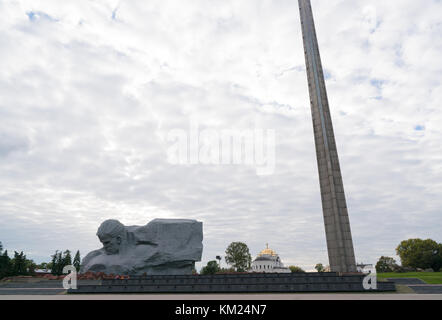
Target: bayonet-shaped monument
[{"x": 334, "y": 206}]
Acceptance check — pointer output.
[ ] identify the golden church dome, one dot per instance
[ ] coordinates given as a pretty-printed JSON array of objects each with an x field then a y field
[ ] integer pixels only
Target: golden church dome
[{"x": 267, "y": 251}]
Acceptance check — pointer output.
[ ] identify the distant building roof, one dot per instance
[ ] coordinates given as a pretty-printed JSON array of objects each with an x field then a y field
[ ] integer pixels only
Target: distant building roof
[
  {"x": 264, "y": 258},
  {"x": 43, "y": 271}
]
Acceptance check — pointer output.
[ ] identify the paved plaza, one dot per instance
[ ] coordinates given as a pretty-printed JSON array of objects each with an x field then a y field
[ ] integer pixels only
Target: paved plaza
[
  {"x": 229, "y": 297},
  {"x": 52, "y": 289}
]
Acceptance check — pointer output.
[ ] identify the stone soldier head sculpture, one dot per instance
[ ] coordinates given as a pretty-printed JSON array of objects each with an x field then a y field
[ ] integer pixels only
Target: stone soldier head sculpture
[
  {"x": 161, "y": 247},
  {"x": 112, "y": 235}
]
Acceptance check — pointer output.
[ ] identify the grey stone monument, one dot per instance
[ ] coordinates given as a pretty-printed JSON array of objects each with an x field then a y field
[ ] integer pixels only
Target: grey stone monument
[
  {"x": 162, "y": 247},
  {"x": 337, "y": 224}
]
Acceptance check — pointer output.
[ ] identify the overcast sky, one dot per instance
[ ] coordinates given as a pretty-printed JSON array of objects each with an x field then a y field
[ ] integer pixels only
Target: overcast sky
[{"x": 90, "y": 90}]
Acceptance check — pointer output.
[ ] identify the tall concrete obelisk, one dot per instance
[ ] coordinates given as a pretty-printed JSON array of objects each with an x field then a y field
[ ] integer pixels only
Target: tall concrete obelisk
[{"x": 337, "y": 225}]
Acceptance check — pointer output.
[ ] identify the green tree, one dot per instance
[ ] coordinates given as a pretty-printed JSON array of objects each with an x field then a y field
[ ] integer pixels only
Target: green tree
[
  {"x": 54, "y": 263},
  {"x": 238, "y": 256},
  {"x": 436, "y": 263},
  {"x": 386, "y": 264},
  {"x": 5, "y": 265},
  {"x": 77, "y": 261},
  {"x": 67, "y": 259},
  {"x": 19, "y": 266},
  {"x": 49, "y": 266},
  {"x": 1, "y": 248},
  {"x": 15, "y": 264},
  {"x": 295, "y": 269},
  {"x": 418, "y": 253},
  {"x": 320, "y": 267},
  {"x": 30, "y": 267},
  {"x": 61, "y": 259},
  {"x": 212, "y": 267},
  {"x": 43, "y": 266},
  {"x": 57, "y": 263}
]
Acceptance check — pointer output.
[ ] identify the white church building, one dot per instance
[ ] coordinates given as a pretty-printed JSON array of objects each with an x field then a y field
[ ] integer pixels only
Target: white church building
[{"x": 268, "y": 261}]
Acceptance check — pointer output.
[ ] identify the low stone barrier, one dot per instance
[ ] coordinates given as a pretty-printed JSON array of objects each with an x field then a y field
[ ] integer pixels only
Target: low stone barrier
[{"x": 236, "y": 283}]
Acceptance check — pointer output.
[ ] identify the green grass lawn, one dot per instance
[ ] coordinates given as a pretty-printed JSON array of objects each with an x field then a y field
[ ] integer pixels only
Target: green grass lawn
[{"x": 428, "y": 277}]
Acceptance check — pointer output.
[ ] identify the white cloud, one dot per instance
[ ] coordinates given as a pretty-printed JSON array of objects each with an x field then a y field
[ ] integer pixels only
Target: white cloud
[{"x": 89, "y": 90}]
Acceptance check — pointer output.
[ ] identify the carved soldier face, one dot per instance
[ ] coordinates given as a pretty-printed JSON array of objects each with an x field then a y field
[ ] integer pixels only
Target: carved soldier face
[{"x": 110, "y": 244}]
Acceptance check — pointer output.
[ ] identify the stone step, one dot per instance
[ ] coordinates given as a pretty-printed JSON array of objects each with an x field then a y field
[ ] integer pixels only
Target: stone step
[{"x": 406, "y": 281}]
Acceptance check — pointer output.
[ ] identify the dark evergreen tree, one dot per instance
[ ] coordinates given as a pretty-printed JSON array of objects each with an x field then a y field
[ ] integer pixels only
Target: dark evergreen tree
[
  {"x": 67, "y": 259},
  {"x": 54, "y": 262},
  {"x": 15, "y": 263},
  {"x": 5, "y": 265},
  {"x": 57, "y": 263},
  {"x": 77, "y": 261},
  {"x": 19, "y": 264},
  {"x": 23, "y": 264}
]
